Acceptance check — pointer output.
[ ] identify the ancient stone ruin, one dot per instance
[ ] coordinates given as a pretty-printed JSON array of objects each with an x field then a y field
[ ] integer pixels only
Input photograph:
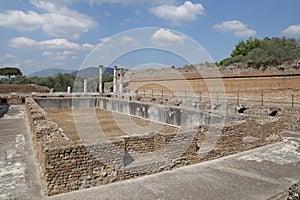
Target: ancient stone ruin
[
  {"x": 70, "y": 164},
  {"x": 16, "y": 94},
  {"x": 140, "y": 124}
]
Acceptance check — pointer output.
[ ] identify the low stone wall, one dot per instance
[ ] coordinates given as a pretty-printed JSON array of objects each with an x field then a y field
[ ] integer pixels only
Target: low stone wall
[
  {"x": 24, "y": 89},
  {"x": 15, "y": 100},
  {"x": 291, "y": 118},
  {"x": 67, "y": 165},
  {"x": 15, "y": 94}
]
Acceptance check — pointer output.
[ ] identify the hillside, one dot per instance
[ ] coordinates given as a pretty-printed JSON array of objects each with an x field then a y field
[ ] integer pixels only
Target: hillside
[
  {"x": 90, "y": 72},
  {"x": 50, "y": 72}
]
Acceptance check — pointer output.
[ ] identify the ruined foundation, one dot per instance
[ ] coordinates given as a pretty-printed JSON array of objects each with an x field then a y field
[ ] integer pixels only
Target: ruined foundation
[{"x": 67, "y": 164}]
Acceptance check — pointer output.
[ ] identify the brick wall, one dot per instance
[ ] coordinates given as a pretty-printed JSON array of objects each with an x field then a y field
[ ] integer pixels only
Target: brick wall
[{"x": 67, "y": 165}]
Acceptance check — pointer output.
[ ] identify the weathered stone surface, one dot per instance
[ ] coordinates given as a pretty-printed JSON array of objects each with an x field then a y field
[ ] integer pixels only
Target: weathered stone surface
[
  {"x": 67, "y": 165},
  {"x": 294, "y": 192},
  {"x": 27, "y": 89},
  {"x": 14, "y": 100}
]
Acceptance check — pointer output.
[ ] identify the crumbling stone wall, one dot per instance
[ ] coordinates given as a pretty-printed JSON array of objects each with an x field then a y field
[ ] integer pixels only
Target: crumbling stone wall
[
  {"x": 67, "y": 165},
  {"x": 15, "y": 94},
  {"x": 290, "y": 116},
  {"x": 24, "y": 89},
  {"x": 291, "y": 119},
  {"x": 45, "y": 133},
  {"x": 14, "y": 100}
]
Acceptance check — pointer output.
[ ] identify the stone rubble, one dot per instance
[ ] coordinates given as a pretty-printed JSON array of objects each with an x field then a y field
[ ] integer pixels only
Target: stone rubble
[{"x": 294, "y": 192}]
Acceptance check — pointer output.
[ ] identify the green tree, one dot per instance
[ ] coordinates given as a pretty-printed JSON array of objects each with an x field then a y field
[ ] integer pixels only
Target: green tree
[
  {"x": 245, "y": 47},
  {"x": 10, "y": 71},
  {"x": 59, "y": 82},
  {"x": 268, "y": 51},
  {"x": 275, "y": 51},
  {"x": 107, "y": 78}
]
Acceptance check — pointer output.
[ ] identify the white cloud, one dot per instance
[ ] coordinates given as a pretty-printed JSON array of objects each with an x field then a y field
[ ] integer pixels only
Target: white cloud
[
  {"x": 63, "y": 20},
  {"x": 186, "y": 12},
  {"x": 28, "y": 61},
  {"x": 230, "y": 26},
  {"x": 63, "y": 55},
  {"x": 66, "y": 53},
  {"x": 47, "y": 53},
  {"x": 292, "y": 30},
  {"x": 59, "y": 21},
  {"x": 5, "y": 57},
  {"x": 75, "y": 57},
  {"x": 56, "y": 3},
  {"x": 8, "y": 56},
  {"x": 105, "y": 43},
  {"x": 87, "y": 46},
  {"x": 164, "y": 37},
  {"x": 245, "y": 33},
  {"x": 131, "y": 2},
  {"x": 19, "y": 20},
  {"x": 127, "y": 21},
  {"x": 126, "y": 40},
  {"x": 57, "y": 44},
  {"x": 23, "y": 42},
  {"x": 106, "y": 40},
  {"x": 11, "y": 65},
  {"x": 236, "y": 27}
]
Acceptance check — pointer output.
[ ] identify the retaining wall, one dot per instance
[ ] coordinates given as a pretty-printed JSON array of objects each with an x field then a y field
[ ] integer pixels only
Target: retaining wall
[
  {"x": 158, "y": 113},
  {"x": 67, "y": 165},
  {"x": 193, "y": 83},
  {"x": 24, "y": 89}
]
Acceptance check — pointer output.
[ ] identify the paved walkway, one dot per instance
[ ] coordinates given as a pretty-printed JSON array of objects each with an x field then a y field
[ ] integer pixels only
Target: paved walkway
[
  {"x": 18, "y": 170},
  {"x": 258, "y": 174}
]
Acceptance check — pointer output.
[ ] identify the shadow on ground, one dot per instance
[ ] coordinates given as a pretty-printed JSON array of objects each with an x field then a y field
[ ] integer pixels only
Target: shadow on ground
[{"x": 3, "y": 109}]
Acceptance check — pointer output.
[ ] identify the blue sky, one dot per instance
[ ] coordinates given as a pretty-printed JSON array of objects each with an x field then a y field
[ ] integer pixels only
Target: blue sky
[{"x": 69, "y": 34}]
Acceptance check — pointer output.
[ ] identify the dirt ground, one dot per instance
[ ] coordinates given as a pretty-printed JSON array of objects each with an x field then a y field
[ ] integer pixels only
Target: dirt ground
[{"x": 112, "y": 124}]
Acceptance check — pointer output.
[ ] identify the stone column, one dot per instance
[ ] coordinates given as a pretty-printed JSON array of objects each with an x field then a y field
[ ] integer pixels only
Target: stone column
[
  {"x": 84, "y": 86},
  {"x": 100, "y": 79},
  {"x": 121, "y": 81},
  {"x": 69, "y": 90},
  {"x": 115, "y": 80}
]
